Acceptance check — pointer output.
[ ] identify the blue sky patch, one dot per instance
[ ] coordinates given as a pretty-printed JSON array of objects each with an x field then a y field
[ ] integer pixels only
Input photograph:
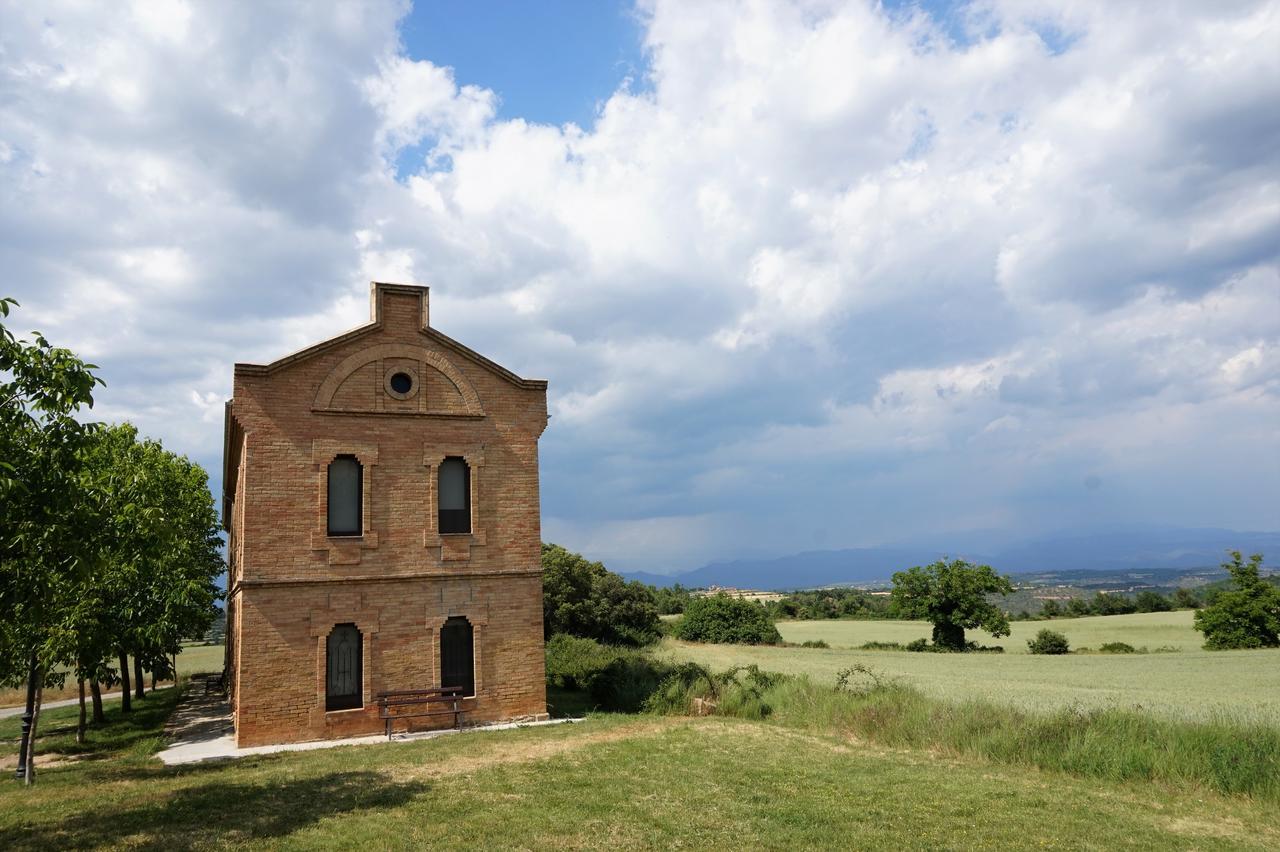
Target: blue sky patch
[{"x": 550, "y": 62}]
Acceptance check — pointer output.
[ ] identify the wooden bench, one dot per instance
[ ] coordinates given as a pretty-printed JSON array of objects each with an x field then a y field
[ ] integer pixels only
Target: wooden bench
[
  {"x": 213, "y": 681},
  {"x": 437, "y": 701}
]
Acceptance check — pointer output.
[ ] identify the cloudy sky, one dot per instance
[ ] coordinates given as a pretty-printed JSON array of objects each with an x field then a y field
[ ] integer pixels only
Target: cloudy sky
[{"x": 801, "y": 275}]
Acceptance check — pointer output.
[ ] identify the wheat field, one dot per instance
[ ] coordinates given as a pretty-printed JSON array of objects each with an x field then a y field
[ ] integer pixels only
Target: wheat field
[{"x": 1191, "y": 684}]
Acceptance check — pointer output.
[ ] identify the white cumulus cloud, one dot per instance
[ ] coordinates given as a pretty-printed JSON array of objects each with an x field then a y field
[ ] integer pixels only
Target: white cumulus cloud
[{"x": 825, "y": 266}]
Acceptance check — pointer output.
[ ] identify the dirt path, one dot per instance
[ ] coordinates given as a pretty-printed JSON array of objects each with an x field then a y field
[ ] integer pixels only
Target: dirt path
[{"x": 6, "y": 712}]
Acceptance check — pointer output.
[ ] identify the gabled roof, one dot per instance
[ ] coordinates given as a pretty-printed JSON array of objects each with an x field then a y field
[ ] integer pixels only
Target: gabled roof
[{"x": 377, "y": 291}]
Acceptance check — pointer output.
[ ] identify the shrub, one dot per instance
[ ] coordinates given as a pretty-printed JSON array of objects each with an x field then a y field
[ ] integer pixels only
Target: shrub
[
  {"x": 814, "y": 643},
  {"x": 724, "y": 619},
  {"x": 886, "y": 646},
  {"x": 860, "y": 679},
  {"x": 573, "y": 662},
  {"x": 1049, "y": 642},
  {"x": 626, "y": 683},
  {"x": 742, "y": 692},
  {"x": 737, "y": 692},
  {"x": 917, "y": 645},
  {"x": 1117, "y": 648},
  {"x": 677, "y": 691},
  {"x": 617, "y": 679}
]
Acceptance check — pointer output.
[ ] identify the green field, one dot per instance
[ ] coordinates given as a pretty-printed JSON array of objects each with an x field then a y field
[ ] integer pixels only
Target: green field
[
  {"x": 1153, "y": 629},
  {"x": 1192, "y": 684},
  {"x": 194, "y": 658},
  {"x": 624, "y": 782}
]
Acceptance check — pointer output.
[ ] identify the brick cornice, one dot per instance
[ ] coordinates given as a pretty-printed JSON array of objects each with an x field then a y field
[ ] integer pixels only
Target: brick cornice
[{"x": 383, "y": 578}]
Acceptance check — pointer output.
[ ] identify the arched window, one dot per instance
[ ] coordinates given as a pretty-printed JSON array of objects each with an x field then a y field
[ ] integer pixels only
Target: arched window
[
  {"x": 346, "y": 516},
  {"x": 455, "y": 496},
  {"x": 457, "y": 655},
  {"x": 344, "y": 665}
]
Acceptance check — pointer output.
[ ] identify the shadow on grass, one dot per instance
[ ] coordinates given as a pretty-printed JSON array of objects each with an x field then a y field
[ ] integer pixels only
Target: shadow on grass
[
  {"x": 568, "y": 703},
  {"x": 217, "y": 812},
  {"x": 121, "y": 732}
]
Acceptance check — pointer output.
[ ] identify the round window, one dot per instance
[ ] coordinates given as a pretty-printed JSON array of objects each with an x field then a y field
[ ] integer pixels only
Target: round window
[{"x": 401, "y": 383}]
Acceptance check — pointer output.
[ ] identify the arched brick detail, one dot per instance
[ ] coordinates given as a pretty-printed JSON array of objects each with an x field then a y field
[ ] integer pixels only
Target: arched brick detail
[
  {"x": 458, "y": 549},
  {"x": 344, "y": 550},
  {"x": 329, "y": 387},
  {"x": 474, "y": 611},
  {"x": 322, "y": 622}
]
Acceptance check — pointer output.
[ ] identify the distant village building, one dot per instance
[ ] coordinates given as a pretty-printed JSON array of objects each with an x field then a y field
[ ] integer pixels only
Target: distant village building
[
  {"x": 745, "y": 594},
  {"x": 381, "y": 500}
]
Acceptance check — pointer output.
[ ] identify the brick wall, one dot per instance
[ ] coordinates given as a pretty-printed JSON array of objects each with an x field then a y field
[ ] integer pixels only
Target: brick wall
[{"x": 400, "y": 580}]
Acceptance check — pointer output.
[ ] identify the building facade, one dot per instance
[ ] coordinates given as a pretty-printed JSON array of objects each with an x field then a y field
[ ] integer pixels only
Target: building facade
[{"x": 381, "y": 503}]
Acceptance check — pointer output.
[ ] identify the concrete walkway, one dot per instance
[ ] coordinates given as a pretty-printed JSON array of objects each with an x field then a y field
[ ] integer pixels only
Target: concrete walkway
[
  {"x": 6, "y": 712},
  {"x": 201, "y": 729}
]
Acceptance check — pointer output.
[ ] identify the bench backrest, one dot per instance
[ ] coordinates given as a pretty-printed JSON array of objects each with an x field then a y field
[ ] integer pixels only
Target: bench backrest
[{"x": 421, "y": 696}]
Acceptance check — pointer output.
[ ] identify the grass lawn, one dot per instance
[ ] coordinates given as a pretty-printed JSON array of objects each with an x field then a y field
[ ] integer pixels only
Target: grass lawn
[
  {"x": 616, "y": 781},
  {"x": 1193, "y": 684},
  {"x": 192, "y": 659},
  {"x": 136, "y": 735}
]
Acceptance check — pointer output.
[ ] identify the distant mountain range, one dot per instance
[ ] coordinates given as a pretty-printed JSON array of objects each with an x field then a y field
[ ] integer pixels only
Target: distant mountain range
[{"x": 1158, "y": 549}]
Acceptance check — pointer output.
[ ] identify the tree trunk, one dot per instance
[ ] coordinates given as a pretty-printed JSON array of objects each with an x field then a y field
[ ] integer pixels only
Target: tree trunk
[
  {"x": 83, "y": 721},
  {"x": 95, "y": 689},
  {"x": 139, "y": 685},
  {"x": 30, "y": 777},
  {"x": 153, "y": 681},
  {"x": 26, "y": 743},
  {"x": 946, "y": 635},
  {"x": 126, "y": 705}
]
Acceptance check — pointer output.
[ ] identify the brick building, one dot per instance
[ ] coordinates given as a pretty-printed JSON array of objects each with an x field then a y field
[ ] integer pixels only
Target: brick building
[{"x": 381, "y": 501}]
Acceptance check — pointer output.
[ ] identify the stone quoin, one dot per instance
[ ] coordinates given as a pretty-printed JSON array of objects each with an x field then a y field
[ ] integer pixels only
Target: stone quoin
[{"x": 381, "y": 502}]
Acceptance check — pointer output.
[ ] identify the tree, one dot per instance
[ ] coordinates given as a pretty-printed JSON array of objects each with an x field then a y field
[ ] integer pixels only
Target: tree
[
  {"x": 1050, "y": 609},
  {"x": 1247, "y": 616},
  {"x": 43, "y": 514},
  {"x": 583, "y": 598},
  {"x": 1078, "y": 607},
  {"x": 1149, "y": 601},
  {"x": 1112, "y": 604},
  {"x": 106, "y": 544},
  {"x": 157, "y": 547},
  {"x": 952, "y": 596},
  {"x": 726, "y": 619},
  {"x": 1184, "y": 598},
  {"x": 669, "y": 600},
  {"x": 830, "y": 603}
]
